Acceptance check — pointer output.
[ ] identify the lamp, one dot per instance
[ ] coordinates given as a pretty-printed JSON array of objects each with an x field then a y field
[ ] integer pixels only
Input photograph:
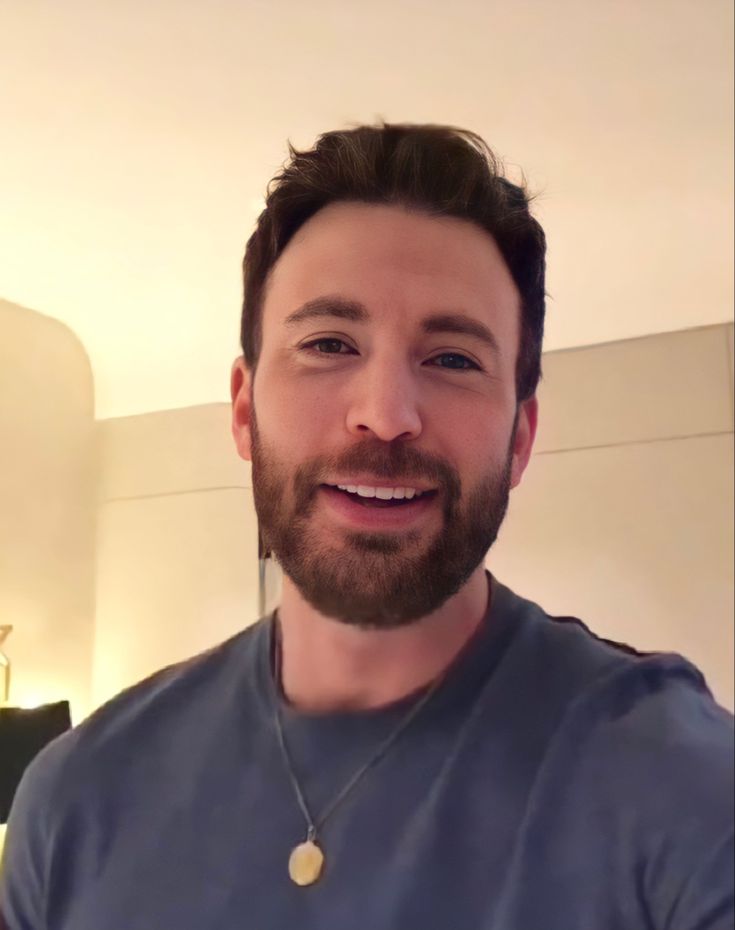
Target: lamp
[{"x": 5, "y": 631}]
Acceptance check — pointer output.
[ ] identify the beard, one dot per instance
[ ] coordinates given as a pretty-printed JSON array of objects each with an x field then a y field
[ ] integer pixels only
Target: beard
[{"x": 377, "y": 580}]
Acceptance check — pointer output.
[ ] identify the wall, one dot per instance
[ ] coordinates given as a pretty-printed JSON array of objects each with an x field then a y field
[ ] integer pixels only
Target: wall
[
  {"x": 165, "y": 133},
  {"x": 47, "y": 508},
  {"x": 625, "y": 515},
  {"x": 176, "y": 544}
]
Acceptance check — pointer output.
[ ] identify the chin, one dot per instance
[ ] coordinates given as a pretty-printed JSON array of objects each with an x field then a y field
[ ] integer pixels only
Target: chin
[{"x": 390, "y": 600}]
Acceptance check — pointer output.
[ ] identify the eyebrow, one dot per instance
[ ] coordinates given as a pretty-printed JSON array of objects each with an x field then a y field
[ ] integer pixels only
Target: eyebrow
[
  {"x": 464, "y": 326},
  {"x": 329, "y": 307},
  {"x": 355, "y": 312}
]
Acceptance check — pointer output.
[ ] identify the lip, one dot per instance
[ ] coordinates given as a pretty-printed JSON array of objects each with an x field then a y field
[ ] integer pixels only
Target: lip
[
  {"x": 371, "y": 482},
  {"x": 359, "y": 516}
]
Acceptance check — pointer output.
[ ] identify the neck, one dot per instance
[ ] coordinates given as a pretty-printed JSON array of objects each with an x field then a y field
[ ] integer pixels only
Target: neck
[{"x": 327, "y": 665}]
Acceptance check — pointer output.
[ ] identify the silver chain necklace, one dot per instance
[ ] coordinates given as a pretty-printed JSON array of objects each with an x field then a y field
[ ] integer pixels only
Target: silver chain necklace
[{"x": 306, "y": 862}]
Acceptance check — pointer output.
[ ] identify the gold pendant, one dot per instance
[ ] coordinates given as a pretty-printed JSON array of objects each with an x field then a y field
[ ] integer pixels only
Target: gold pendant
[{"x": 305, "y": 863}]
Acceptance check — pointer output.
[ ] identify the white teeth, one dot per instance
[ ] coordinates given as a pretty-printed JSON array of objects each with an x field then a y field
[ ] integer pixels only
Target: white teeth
[{"x": 384, "y": 494}]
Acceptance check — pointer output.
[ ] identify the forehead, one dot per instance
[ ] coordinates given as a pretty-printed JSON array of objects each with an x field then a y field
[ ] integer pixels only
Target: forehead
[{"x": 395, "y": 261}]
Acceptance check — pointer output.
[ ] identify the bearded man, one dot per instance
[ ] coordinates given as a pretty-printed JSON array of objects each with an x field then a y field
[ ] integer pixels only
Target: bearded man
[{"x": 404, "y": 742}]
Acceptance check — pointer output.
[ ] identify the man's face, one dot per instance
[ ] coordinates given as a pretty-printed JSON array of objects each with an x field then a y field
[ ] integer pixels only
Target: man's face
[{"x": 388, "y": 362}]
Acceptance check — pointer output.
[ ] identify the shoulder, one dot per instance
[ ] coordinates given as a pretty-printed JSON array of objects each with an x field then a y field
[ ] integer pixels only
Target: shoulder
[
  {"x": 649, "y": 705},
  {"x": 650, "y": 756},
  {"x": 571, "y": 663},
  {"x": 146, "y": 728},
  {"x": 653, "y": 722},
  {"x": 168, "y": 705},
  {"x": 640, "y": 759},
  {"x": 178, "y": 696}
]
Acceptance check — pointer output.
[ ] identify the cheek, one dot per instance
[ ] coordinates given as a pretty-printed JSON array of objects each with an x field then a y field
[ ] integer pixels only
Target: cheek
[
  {"x": 477, "y": 452},
  {"x": 295, "y": 418}
]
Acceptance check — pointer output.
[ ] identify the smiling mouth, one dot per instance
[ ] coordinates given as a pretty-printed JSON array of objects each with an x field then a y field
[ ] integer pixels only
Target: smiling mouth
[{"x": 377, "y": 502}]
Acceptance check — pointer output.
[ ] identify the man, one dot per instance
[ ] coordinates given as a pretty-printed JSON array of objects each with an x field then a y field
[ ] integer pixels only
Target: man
[{"x": 405, "y": 743}]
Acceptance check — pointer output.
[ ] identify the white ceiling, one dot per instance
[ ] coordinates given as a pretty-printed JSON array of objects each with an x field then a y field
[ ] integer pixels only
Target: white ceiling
[{"x": 138, "y": 138}]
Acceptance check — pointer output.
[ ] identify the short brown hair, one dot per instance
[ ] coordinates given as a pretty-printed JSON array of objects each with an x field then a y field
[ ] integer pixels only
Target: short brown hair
[{"x": 440, "y": 170}]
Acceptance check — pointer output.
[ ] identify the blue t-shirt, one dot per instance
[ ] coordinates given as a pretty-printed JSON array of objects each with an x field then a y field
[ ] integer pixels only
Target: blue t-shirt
[{"x": 553, "y": 782}]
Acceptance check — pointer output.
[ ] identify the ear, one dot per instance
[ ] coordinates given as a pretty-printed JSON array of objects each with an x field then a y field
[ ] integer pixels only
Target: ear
[
  {"x": 525, "y": 435},
  {"x": 240, "y": 380}
]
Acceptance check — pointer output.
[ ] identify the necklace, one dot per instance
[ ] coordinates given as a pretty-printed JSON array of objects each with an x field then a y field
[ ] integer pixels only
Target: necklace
[{"x": 306, "y": 862}]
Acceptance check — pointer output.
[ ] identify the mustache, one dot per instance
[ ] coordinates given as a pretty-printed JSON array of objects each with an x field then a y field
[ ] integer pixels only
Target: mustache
[{"x": 394, "y": 460}]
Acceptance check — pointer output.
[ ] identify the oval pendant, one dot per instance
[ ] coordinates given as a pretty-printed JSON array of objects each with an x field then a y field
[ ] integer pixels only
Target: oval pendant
[{"x": 305, "y": 863}]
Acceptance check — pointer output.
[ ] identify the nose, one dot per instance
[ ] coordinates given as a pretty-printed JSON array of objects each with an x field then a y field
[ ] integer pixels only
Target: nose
[{"x": 383, "y": 401}]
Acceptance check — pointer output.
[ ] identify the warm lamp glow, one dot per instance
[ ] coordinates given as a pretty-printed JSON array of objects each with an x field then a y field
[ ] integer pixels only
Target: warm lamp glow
[
  {"x": 38, "y": 694},
  {"x": 30, "y": 700}
]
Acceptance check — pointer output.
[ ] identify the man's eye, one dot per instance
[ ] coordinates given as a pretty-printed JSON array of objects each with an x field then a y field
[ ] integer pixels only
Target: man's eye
[
  {"x": 326, "y": 347},
  {"x": 455, "y": 362}
]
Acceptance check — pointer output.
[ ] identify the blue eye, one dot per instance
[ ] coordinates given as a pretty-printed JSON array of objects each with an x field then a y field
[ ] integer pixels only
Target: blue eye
[{"x": 458, "y": 362}]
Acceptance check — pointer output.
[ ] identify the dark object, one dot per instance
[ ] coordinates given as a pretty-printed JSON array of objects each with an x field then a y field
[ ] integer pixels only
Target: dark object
[{"x": 23, "y": 734}]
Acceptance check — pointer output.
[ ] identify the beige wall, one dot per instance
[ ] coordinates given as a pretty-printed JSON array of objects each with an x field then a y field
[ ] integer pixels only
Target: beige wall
[
  {"x": 625, "y": 516},
  {"x": 47, "y": 508},
  {"x": 177, "y": 542},
  {"x": 164, "y": 138}
]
